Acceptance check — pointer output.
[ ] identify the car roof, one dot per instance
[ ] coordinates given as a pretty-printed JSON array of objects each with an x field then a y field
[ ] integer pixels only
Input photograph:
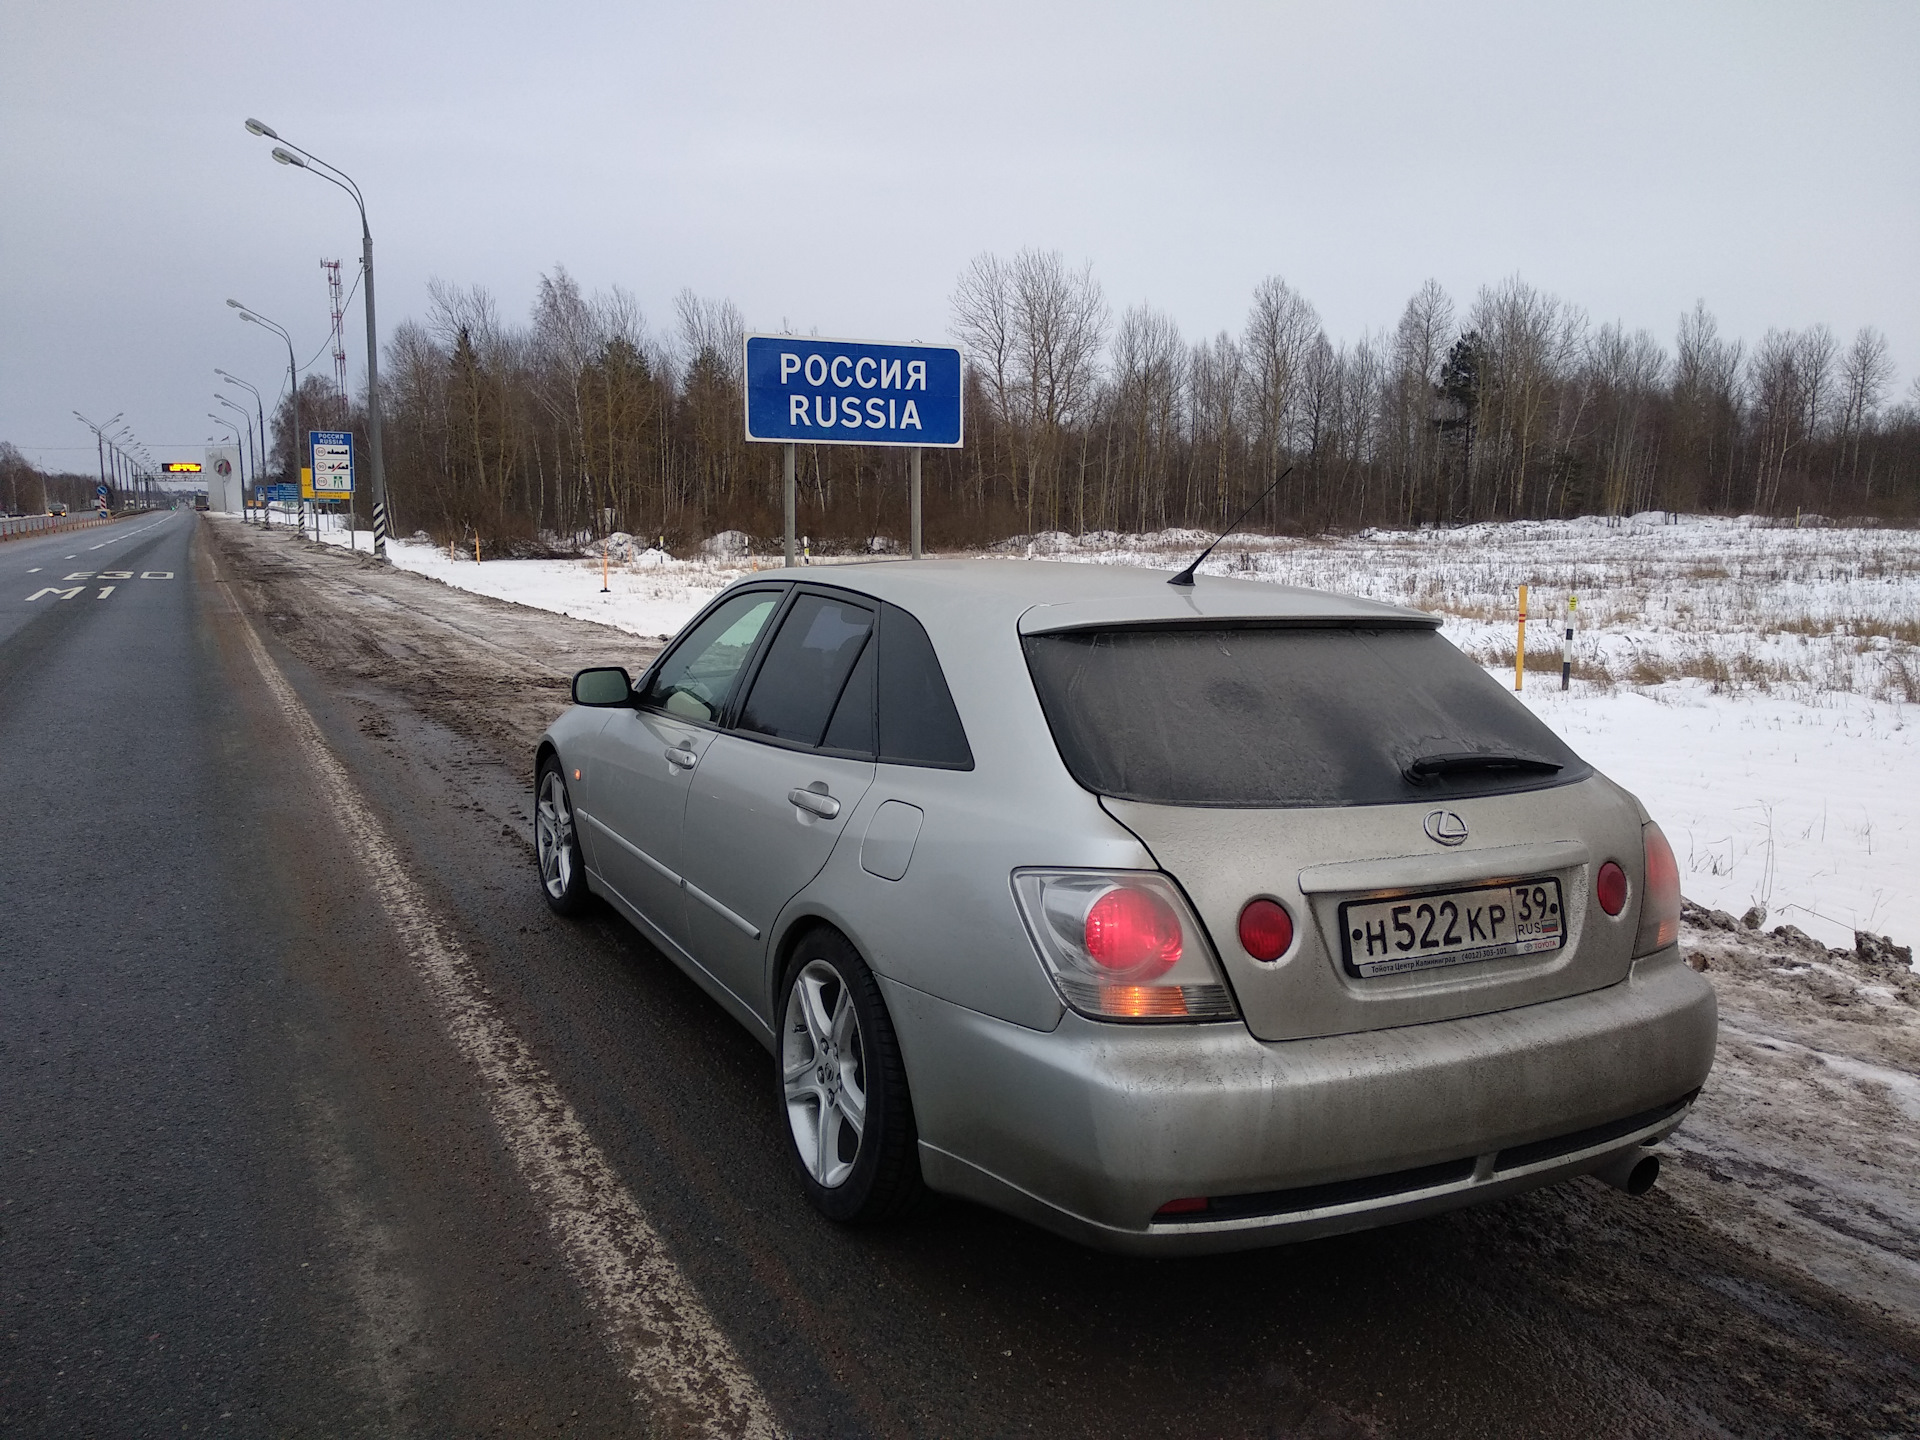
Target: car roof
[{"x": 1042, "y": 596}]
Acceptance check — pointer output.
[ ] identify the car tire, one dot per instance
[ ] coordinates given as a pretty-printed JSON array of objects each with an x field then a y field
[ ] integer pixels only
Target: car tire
[
  {"x": 842, "y": 1086},
  {"x": 556, "y": 843}
]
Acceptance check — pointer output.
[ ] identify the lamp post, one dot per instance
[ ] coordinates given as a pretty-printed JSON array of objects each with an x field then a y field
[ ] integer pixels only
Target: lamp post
[
  {"x": 293, "y": 390},
  {"x": 260, "y": 412},
  {"x": 246, "y": 431},
  {"x": 237, "y": 432},
  {"x": 123, "y": 469},
  {"x": 287, "y": 153},
  {"x": 99, "y": 439}
]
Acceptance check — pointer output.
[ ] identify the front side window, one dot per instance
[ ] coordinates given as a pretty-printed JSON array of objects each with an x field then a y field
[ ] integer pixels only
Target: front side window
[
  {"x": 806, "y": 669},
  {"x": 693, "y": 681}
]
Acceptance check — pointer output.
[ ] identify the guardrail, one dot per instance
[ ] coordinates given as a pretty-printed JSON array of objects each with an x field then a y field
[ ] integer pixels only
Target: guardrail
[{"x": 12, "y": 527}]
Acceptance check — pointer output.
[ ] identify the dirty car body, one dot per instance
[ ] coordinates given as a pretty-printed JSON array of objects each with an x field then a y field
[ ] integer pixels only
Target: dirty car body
[{"x": 1202, "y": 918}]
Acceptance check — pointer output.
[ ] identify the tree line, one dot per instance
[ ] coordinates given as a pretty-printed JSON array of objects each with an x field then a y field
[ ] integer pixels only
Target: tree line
[{"x": 582, "y": 419}]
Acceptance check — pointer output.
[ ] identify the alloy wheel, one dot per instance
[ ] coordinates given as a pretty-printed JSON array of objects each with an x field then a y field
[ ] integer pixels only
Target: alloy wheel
[
  {"x": 823, "y": 1072},
  {"x": 553, "y": 835}
]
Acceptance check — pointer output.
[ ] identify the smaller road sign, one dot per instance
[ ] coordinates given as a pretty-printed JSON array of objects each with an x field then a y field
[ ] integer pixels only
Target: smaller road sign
[
  {"x": 332, "y": 452},
  {"x": 852, "y": 392}
]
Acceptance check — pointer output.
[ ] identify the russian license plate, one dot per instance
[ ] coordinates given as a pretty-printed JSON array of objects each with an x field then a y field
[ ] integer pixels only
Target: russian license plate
[{"x": 1451, "y": 927}]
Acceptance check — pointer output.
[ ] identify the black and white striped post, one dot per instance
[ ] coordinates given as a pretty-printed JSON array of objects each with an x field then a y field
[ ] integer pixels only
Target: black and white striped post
[{"x": 1566, "y": 643}]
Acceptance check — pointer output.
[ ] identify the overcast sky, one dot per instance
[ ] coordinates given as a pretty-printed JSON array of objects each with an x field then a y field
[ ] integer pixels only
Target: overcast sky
[{"x": 833, "y": 166}]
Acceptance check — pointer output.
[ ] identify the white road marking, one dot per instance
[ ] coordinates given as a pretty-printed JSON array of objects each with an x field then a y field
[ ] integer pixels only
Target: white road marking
[
  {"x": 655, "y": 1322},
  {"x": 34, "y": 571},
  {"x": 105, "y": 590},
  {"x": 50, "y": 590}
]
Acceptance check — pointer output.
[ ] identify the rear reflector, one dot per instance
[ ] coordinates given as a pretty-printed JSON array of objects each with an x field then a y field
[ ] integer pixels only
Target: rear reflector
[
  {"x": 1192, "y": 1205},
  {"x": 1610, "y": 888},
  {"x": 1266, "y": 930}
]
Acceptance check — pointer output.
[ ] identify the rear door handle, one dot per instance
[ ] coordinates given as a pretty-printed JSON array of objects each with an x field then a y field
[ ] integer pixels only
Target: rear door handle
[
  {"x": 683, "y": 757},
  {"x": 815, "y": 802}
]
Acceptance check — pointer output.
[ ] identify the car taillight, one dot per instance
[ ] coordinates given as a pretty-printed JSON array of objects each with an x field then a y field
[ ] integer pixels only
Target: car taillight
[
  {"x": 1266, "y": 930},
  {"x": 1659, "y": 897},
  {"x": 1610, "y": 888},
  {"x": 1134, "y": 933},
  {"x": 1122, "y": 945}
]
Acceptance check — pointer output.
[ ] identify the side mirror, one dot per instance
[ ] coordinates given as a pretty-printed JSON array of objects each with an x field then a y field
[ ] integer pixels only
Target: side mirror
[{"x": 604, "y": 685}]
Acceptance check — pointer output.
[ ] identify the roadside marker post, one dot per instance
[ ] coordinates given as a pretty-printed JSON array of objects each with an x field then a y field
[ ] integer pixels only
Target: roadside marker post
[
  {"x": 1520, "y": 645},
  {"x": 1566, "y": 643},
  {"x": 814, "y": 391}
]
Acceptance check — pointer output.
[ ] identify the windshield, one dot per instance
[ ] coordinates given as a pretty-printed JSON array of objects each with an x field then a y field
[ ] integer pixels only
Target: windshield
[{"x": 1270, "y": 717}]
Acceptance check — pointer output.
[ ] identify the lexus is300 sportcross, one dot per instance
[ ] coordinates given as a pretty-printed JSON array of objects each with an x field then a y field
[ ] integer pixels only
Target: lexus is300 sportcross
[{"x": 1170, "y": 918}]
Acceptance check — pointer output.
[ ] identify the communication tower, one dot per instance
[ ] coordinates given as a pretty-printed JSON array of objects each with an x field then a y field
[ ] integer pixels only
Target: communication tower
[{"x": 332, "y": 267}]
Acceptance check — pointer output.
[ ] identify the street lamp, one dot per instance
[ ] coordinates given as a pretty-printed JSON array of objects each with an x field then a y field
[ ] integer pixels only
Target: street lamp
[
  {"x": 260, "y": 411},
  {"x": 287, "y": 153},
  {"x": 236, "y": 450},
  {"x": 246, "y": 431},
  {"x": 242, "y": 445},
  {"x": 99, "y": 439},
  {"x": 293, "y": 388}
]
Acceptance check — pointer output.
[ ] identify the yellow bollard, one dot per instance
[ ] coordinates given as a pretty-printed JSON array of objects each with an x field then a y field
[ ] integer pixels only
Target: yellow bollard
[
  {"x": 476, "y": 547},
  {"x": 1520, "y": 645}
]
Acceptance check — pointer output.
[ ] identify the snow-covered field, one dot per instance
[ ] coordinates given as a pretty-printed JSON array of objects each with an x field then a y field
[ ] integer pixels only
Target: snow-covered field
[{"x": 1754, "y": 684}]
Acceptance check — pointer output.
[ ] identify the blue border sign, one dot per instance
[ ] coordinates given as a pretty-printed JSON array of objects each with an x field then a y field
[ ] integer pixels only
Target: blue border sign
[
  {"x": 853, "y": 392},
  {"x": 330, "y": 457}
]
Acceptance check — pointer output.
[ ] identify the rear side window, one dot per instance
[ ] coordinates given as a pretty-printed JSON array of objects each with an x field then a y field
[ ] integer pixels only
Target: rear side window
[
  {"x": 918, "y": 724},
  {"x": 806, "y": 669},
  {"x": 1268, "y": 717},
  {"x": 694, "y": 679}
]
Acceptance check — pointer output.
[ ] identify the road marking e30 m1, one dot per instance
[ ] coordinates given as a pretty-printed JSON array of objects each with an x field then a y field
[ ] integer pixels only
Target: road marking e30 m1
[{"x": 105, "y": 591}]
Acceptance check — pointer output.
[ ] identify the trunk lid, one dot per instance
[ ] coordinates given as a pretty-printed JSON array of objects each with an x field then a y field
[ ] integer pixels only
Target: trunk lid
[{"x": 1323, "y": 861}]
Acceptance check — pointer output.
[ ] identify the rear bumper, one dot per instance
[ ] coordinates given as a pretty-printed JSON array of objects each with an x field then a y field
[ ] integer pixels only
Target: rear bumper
[{"x": 1091, "y": 1128}]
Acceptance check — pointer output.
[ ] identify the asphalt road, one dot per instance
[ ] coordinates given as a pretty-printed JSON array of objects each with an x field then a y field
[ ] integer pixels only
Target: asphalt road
[{"x": 252, "y": 1177}]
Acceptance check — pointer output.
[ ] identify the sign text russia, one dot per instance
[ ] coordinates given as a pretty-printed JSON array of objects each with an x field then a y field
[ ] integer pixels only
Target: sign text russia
[{"x": 852, "y": 392}]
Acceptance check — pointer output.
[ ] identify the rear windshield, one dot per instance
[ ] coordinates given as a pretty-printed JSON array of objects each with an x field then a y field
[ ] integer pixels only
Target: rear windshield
[{"x": 1286, "y": 716}]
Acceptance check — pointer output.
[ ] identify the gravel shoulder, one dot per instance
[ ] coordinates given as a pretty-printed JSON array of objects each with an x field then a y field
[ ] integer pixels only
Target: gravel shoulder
[{"x": 1805, "y": 1145}]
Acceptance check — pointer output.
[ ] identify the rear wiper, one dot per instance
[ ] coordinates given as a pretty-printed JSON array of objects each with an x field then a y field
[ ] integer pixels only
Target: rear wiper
[{"x": 1431, "y": 767}]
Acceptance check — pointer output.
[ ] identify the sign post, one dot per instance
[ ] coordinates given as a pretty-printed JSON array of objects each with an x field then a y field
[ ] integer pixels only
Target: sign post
[{"x": 805, "y": 390}]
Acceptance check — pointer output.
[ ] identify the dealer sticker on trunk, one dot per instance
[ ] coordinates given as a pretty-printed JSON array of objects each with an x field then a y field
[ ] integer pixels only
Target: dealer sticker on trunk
[{"x": 1451, "y": 927}]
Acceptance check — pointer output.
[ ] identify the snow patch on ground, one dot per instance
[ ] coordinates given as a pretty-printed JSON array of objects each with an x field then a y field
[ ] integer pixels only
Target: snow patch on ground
[{"x": 1769, "y": 729}]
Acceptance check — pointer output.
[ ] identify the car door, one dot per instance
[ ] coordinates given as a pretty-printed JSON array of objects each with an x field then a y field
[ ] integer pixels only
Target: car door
[
  {"x": 774, "y": 790},
  {"x": 644, "y": 758}
]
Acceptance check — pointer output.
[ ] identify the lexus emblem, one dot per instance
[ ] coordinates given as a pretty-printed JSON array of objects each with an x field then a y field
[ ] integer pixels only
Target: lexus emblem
[{"x": 1443, "y": 827}]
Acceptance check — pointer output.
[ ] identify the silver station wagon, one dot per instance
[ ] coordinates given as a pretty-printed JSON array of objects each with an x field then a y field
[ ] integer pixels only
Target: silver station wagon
[{"x": 1171, "y": 919}]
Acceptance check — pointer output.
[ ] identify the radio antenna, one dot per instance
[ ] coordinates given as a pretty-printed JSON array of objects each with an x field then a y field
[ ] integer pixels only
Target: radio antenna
[{"x": 1185, "y": 577}]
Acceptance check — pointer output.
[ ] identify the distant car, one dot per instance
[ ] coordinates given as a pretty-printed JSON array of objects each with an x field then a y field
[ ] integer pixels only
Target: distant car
[
  {"x": 56, "y": 510},
  {"x": 200, "y": 502},
  {"x": 1171, "y": 919}
]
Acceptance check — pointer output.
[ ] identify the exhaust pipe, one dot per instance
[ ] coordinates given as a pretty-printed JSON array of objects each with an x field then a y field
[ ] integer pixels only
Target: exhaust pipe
[{"x": 1633, "y": 1172}]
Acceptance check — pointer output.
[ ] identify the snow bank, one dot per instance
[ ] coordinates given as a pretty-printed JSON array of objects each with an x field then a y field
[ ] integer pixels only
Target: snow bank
[{"x": 1744, "y": 678}]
